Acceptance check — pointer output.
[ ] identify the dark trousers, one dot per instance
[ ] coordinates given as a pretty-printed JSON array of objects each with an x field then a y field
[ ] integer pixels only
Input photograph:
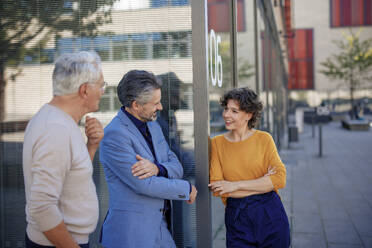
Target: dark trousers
[
  {"x": 30, "y": 244},
  {"x": 256, "y": 221}
]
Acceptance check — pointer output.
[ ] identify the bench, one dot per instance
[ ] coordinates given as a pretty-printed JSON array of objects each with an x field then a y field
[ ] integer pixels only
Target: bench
[{"x": 355, "y": 125}]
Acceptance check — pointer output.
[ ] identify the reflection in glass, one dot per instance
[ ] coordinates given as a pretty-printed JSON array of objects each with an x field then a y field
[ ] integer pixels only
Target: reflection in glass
[
  {"x": 120, "y": 51},
  {"x": 219, "y": 65},
  {"x": 121, "y": 45},
  {"x": 32, "y": 35},
  {"x": 160, "y": 45},
  {"x": 245, "y": 44},
  {"x": 178, "y": 129}
]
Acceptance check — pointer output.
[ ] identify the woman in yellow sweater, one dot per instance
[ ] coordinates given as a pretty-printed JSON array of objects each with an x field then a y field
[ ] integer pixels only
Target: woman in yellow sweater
[{"x": 246, "y": 171}]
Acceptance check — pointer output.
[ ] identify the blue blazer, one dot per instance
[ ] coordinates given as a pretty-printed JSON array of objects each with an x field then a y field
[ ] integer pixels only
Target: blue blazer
[{"x": 134, "y": 215}]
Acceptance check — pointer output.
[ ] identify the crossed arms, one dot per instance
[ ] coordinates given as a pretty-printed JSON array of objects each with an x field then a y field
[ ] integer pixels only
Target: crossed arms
[{"x": 119, "y": 154}]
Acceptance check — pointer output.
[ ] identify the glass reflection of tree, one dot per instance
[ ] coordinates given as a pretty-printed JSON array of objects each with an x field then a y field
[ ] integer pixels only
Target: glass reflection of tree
[
  {"x": 245, "y": 69},
  {"x": 245, "y": 72},
  {"x": 27, "y": 27}
]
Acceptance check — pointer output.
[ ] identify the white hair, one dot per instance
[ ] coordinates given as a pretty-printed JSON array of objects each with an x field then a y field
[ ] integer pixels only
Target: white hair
[{"x": 74, "y": 69}]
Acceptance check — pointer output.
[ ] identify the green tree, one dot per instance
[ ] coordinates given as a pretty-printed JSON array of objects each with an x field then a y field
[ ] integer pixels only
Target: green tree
[
  {"x": 27, "y": 25},
  {"x": 352, "y": 64},
  {"x": 245, "y": 69}
]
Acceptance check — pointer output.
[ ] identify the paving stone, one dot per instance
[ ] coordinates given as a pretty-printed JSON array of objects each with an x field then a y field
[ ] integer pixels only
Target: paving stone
[
  {"x": 367, "y": 241},
  {"x": 307, "y": 223},
  {"x": 330, "y": 210},
  {"x": 308, "y": 206},
  {"x": 358, "y": 207},
  {"x": 329, "y": 195},
  {"x": 285, "y": 195},
  {"x": 344, "y": 246},
  {"x": 287, "y": 206},
  {"x": 368, "y": 196},
  {"x": 305, "y": 240},
  {"x": 353, "y": 195},
  {"x": 341, "y": 231},
  {"x": 363, "y": 224}
]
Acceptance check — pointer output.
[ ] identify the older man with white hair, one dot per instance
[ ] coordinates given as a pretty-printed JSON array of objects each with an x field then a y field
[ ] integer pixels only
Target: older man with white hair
[{"x": 61, "y": 198}]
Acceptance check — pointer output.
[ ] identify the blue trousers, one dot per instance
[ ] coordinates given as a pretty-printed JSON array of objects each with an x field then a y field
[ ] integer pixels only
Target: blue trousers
[{"x": 256, "y": 221}]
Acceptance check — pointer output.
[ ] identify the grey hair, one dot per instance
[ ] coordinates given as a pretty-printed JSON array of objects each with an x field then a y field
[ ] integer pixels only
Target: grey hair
[
  {"x": 71, "y": 70},
  {"x": 137, "y": 86}
]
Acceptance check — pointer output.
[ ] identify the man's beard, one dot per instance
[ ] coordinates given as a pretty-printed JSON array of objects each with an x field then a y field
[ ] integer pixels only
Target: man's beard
[{"x": 153, "y": 117}]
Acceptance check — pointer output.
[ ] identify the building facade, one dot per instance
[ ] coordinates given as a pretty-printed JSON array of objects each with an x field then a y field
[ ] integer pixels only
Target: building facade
[{"x": 317, "y": 25}]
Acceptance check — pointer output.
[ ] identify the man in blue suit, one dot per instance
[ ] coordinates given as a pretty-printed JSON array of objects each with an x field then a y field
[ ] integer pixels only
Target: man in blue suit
[{"x": 142, "y": 173}]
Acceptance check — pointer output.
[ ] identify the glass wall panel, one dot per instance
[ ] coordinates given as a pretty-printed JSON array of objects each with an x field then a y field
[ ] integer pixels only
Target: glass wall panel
[
  {"x": 272, "y": 73},
  {"x": 220, "y": 80},
  {"x": 245, "y": 44},
  {"x": 127, "y": 34},
  {"x": 268, "y": 78},
  {"x": 260, "y": 64}
]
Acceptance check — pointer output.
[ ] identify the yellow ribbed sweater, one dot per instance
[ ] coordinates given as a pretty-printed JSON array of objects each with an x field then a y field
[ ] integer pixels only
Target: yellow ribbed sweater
[{"x": 246, "y": 160}]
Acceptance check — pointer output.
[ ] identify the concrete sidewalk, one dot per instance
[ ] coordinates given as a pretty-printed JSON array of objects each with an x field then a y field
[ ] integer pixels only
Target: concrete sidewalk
[{"x": 328, "y": 199}]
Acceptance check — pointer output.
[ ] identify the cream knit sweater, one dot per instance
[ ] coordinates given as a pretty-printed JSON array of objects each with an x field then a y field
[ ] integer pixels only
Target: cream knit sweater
[{"x": 58, "y": 177}]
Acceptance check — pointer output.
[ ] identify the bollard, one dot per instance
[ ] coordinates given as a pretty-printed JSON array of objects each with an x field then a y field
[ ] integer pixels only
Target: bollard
[
  {"x": 313, "y": 126},
  {"x": 320, "y": 141}
]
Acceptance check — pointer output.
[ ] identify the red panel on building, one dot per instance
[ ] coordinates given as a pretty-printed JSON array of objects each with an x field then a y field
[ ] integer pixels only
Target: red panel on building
[
  {"x": 269, "y": 65},
  {"x": 218, "y": 15},
  {"x": 288, "y": 18},
  {"x": 367, "y": 12},
  {"x": 347, "y": 13},
  {"x": 240, "y": 13},
  {"x": 301, "y": 60}
]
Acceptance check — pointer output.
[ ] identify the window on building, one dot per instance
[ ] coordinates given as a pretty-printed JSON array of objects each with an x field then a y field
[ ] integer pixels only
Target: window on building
[
  {"x": 158, "y": 3},
  {"x": 102, "y": 47},
  {"x": 180, "y": 44},
  {"x": 301, "y": 60},
  {"x": 162, "y": 3},
  {"x": 120, "y": 47},
  {"x": 160, "y": 45},
  {"x": 37, "y": 56},
  {"x": 31, "y": 57},
  {"x": 109, "y": 101},
  {"x": 85, "y": 44},
  {"x": 179, "y": 2},
  {"x": 218, "y": 14},
  {"x": 47, "y": 55},
  {"x": 68, "y": 7},
  {"x": 66, "y": 45},
  {"x": 140, "y": 46},
  {"x": 347, "y": 13}
]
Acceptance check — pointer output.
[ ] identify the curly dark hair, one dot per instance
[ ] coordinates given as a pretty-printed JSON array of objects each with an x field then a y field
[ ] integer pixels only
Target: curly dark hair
[{"x": 248, "y": 101}]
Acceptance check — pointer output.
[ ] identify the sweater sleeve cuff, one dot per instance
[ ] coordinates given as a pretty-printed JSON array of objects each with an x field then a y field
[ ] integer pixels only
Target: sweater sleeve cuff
[
  {"x": 278, "y": 183},
  {"x": 162, "y": 170}
]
